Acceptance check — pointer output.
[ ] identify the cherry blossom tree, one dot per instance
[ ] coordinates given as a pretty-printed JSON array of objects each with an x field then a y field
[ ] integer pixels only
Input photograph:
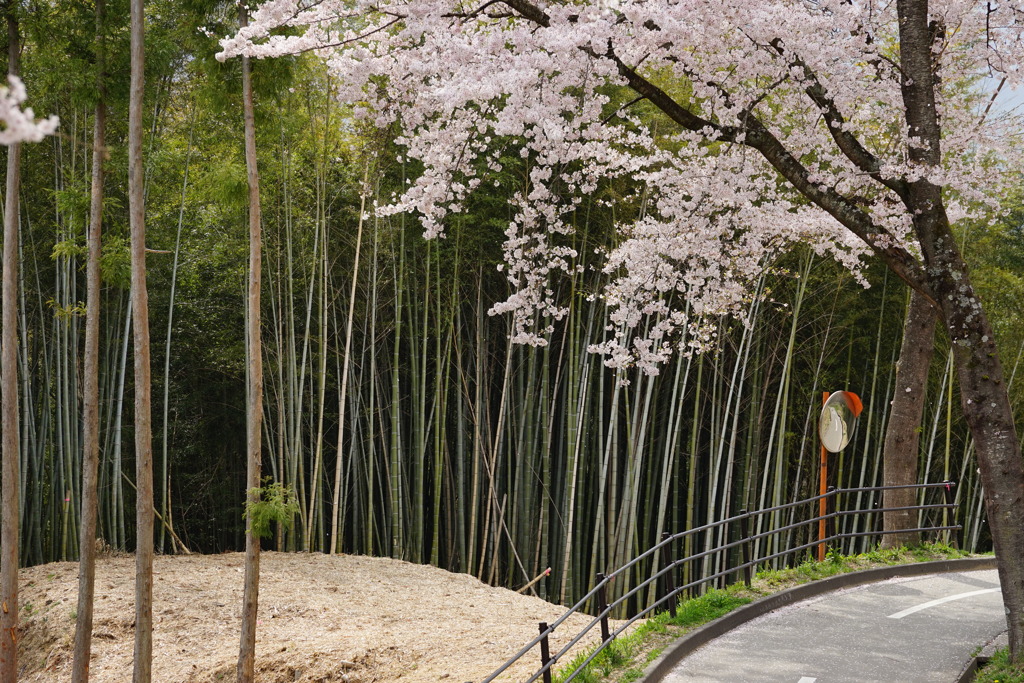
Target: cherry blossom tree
[{"x": 847, "y": 125}]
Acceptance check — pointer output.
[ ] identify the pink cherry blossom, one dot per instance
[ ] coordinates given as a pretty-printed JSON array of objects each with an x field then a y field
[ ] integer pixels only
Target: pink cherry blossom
[
  {"x": 468, "y": 81},
  {"x": 20, "y": 125}
]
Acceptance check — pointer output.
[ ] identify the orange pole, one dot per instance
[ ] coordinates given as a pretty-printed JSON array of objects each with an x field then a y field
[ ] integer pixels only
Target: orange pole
[{"x": 822, "y": 488}]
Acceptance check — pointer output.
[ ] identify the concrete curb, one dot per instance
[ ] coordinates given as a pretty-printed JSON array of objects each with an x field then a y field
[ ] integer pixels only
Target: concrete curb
[
  {"x": 683, "y": 647},
  {"x": 971, "y": 670}
]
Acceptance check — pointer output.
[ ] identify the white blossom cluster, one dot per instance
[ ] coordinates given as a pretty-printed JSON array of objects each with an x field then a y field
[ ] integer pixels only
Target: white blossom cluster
[
  {"x": 21, "y": 125},
  {"x": 468, "y": 81}
]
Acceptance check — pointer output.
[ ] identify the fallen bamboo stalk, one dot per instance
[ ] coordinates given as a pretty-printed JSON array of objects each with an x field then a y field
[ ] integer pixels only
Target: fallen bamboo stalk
[
  {"x": 170, "y": 530},
  {"x": 534, "y": 580}
]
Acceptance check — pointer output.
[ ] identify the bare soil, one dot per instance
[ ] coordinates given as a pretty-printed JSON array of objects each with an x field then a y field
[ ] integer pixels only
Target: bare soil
[{"x": 321, "y": 618}]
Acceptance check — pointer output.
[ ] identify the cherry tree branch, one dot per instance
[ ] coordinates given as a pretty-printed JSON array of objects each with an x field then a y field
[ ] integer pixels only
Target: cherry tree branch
[
  {"x": 473, "y": 14},
  {"x": 836, "y": 124},
  {"x": 756, "y": 135}
]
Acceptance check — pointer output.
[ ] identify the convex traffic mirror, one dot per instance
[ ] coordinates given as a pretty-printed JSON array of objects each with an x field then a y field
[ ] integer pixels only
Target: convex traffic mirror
[{"x": 839, "y": 420}]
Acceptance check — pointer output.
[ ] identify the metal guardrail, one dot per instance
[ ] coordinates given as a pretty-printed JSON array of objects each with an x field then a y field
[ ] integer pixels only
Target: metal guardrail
[{"x": 747, "y": 544}]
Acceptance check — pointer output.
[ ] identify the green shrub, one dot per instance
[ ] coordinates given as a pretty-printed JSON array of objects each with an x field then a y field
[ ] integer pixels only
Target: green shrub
[{"x": 272, "y": 502}]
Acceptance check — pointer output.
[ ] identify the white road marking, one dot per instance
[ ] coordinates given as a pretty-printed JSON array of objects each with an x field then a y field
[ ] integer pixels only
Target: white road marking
[
  {"x": 933, "y": 603},
  {"x": 807, "y": 679}
]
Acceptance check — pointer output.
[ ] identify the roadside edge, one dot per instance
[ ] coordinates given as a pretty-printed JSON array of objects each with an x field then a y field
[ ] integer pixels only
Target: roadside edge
[{"x": 687, "y": 644}]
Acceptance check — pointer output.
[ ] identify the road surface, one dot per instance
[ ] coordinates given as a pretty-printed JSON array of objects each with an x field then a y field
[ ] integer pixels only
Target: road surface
[{"x": 909, "y": 630}]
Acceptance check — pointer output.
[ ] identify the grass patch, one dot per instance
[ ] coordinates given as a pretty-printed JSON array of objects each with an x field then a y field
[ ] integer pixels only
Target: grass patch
[
  {"x": 627, "y": 656},
  {"x": 1000, "y": 670},
  {"x": 625, "y": 659}
]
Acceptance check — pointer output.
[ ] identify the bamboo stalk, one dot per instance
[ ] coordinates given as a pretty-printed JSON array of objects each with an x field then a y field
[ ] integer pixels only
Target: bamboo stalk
[
  {"x": 164, "y": 480},
  {"x": 345, "y": 363}
]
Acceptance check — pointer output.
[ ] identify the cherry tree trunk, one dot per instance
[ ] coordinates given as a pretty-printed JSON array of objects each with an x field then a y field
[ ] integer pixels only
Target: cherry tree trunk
[
  {"x": 903, "y": 431},
  {"x": 983, "y": 394},
  {"x": 986, "y": 407},
  {"x": 254, "y": 421},
  {"x": 9, "y": 395},
  {"x": 143, "y": 670}
]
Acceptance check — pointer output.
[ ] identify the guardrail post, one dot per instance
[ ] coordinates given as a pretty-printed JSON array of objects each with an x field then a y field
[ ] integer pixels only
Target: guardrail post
[
  {"x": 602, "y": 607},
  {"x": 748, "y": 571},
  {"x": 949, "y": 490},
  {"x": 669, "y": 577},
  {"x": 545, "y": 651},
  {"x": 723, "y": 562},
  {"x": 832, "y": 505}
]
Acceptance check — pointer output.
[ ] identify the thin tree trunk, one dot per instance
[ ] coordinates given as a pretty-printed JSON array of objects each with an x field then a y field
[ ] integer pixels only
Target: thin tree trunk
[
  {"x": 396, "y": 481},
  {"x": 849, "y": 522},
  {"x": 947, "y": 381},
  {"x": 143, "y": 669},
  {"x": 778, "y": 428},
  {"x": 9, "y": 541},
  {"x": 298, "y": 390},
  {"x": 118, "y": 522},
  {"x": 165, "y": 486},
  {"x": 345, "y": 364},
  {"x": 30, "y": 443},
  {"x": 690, "y": 542},
  {"x": 420, "y": 420},
  {"x": 478, "y": 438},
  {"x": 91, "y": 389},
  {"x": 254, "y": 423},
  {"x": 371, "y": 413},
  {"x": 321, "y": 376},
  {"x": 576, "y": 411},
  {"x": 900, "y": 454}
]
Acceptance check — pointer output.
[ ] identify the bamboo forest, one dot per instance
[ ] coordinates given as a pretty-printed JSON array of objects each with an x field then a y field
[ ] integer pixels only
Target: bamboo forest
[{"x": 400, "y": 416}]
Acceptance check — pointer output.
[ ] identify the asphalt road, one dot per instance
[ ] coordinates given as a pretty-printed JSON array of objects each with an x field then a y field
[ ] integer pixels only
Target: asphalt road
[{"x": 902, "y": 630}]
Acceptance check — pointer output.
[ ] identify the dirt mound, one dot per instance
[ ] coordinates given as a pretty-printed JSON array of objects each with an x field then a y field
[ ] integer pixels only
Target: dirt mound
[{"x": 340, "y": 618}]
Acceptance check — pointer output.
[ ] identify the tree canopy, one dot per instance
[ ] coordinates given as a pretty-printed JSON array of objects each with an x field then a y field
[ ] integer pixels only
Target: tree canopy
[{"x": 816, "y": 87}]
